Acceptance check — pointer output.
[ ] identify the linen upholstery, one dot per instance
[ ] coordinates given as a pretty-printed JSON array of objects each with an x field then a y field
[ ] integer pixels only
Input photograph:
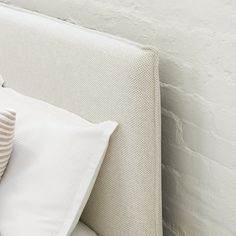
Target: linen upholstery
[
  {"x": 99, "y": 77},
  {"x": 7, "y": 129}
]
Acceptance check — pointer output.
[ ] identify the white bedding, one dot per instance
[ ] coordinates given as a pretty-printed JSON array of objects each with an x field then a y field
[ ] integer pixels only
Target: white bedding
[
  {"x": 55, "y": 162},
  {"x": 83, "y": 230}
]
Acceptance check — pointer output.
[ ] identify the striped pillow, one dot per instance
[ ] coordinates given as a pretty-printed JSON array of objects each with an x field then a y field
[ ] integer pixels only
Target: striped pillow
[{"x": 7, "y": 128}]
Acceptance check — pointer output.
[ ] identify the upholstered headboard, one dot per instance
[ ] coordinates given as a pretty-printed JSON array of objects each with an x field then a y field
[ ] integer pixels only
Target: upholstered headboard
[{"x": 99, "y": 77}]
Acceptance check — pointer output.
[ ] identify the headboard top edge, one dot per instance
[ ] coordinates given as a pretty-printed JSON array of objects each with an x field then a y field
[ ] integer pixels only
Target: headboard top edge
[{"x": 26, "y": 12}]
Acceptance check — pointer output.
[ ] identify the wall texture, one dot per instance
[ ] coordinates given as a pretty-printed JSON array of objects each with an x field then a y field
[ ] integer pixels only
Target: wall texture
[{"x": 197, "y": 42}]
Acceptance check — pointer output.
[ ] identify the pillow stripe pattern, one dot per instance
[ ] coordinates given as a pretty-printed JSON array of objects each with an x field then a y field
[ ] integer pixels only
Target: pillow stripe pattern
[{"x": 7, "y": 128}]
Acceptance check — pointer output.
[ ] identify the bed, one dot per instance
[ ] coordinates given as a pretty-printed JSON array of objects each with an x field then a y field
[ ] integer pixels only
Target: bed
[{"x": 99, "y": 77}]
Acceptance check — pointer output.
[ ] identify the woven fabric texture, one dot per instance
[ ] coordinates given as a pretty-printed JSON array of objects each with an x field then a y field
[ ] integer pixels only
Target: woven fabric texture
[
  {"x": 99, "y": 77},
  {"x": 7, "y": 129}
]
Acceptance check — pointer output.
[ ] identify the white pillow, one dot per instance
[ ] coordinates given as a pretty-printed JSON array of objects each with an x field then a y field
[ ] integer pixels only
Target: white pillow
[
  {"x": 7, "y": 129},
  {"x": 56, "y": 159}
]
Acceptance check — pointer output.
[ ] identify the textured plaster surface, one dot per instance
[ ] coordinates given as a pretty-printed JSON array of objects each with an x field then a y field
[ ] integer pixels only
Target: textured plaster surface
[{"x": 197, "y": 43}]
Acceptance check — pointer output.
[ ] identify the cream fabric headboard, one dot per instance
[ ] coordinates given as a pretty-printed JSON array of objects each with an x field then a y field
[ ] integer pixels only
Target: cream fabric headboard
[{"x": 99, "y": 77}]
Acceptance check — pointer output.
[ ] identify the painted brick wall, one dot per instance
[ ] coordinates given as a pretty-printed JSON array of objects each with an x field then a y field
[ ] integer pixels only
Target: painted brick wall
[{"x": 197, "y": 42}]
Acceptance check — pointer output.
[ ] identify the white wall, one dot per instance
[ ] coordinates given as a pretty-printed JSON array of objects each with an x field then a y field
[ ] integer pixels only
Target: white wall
[{"x": 197, "y": 42}]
